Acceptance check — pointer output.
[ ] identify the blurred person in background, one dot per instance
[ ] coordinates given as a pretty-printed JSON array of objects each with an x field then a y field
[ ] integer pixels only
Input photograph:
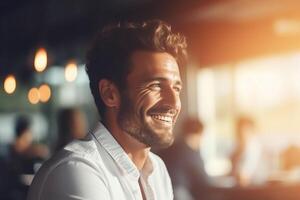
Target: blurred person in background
[
  {"x": 23, "y": 159},
  {"x": 185, "y": 165},
  {"x": 134, "y": 76},
  {"x": 71, "y": 124},
  {"x": 247, "y": 158}
]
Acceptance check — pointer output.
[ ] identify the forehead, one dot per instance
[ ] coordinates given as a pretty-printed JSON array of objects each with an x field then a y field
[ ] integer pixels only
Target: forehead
[{"x": 149, "y": 65}]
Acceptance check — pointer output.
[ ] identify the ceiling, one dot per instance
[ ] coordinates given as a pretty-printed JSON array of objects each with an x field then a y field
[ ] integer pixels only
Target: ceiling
[{"x": 218, "y": 31}]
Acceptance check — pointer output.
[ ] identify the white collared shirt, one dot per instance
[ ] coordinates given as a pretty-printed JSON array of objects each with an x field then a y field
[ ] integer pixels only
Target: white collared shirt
[{"x": 97, "y": 168}]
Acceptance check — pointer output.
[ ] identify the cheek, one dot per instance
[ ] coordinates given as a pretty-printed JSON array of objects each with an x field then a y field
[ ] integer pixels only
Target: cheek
[{"x": 146, "y": 100}]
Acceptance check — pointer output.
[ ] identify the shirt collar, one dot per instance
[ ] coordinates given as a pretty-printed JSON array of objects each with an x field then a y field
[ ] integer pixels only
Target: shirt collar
[
  {"x": 148, "y": 167},
  {"x": 113, "y": 148}
]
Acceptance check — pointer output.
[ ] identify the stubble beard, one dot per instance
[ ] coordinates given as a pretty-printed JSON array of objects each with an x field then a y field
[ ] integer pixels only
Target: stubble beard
[{"x": 140, "y": 129}]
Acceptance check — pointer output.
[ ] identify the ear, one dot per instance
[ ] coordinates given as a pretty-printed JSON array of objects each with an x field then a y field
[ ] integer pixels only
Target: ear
[{"x": 109, "y": 93}]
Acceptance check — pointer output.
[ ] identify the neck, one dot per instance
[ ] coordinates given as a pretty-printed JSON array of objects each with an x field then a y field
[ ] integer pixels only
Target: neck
[
  {"x": 137, "y": 151},
  {"x": 139, "y": 158}
]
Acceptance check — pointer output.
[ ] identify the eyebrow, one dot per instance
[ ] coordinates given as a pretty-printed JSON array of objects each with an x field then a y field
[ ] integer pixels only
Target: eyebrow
[{"x": 162, "y": 79}]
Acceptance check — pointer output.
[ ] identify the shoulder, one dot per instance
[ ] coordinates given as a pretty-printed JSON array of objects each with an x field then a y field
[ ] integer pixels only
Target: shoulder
[
  {"x": 72, "y": 171},
  {"x": 77, "y": 154}
]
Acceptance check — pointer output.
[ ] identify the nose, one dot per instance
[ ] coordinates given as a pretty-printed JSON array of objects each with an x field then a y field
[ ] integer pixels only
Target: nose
[{"x": 171, "y": 98}]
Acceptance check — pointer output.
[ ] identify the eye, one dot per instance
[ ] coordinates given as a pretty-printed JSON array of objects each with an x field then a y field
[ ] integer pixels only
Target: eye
[
  {"x": 177, "y": 89},
  {"x": 155, "y": 86}
]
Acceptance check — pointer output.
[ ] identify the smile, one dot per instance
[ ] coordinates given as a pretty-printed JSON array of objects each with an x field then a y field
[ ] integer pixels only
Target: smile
[{"x": 163, "y": 118}]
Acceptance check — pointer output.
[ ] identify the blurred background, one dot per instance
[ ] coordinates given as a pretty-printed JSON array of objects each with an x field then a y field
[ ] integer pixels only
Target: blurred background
[{"x": 242, "y": 82}]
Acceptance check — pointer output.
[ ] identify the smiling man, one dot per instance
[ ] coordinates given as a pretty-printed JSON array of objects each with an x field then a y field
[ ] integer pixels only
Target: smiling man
[{"x": 134, "y": 77}]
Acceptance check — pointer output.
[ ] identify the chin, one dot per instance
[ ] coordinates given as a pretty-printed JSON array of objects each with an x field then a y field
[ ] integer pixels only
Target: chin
[
  {"x": 162, "y": 144},
  {"x": 162, "y": 139},
  {"x": 166, "y": 144}
]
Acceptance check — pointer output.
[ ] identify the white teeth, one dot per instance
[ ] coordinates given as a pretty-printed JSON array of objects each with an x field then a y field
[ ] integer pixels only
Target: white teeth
[{"x": 163, "y": 118}]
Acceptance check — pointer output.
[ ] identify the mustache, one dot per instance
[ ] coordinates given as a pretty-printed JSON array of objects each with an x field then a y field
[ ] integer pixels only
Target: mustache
[{"x": 164, "y": 109}]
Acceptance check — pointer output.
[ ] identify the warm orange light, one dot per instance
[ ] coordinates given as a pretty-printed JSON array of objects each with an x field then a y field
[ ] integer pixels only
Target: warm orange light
[
  {"x": 71, "y": 72},
  {"x": 40, "y": 60},
  {"x": 10, "y": 84},
  {"x": 287, "y": 27},
  {"x": 45, "y": 93},
  {"x": 33, "y": 95}
]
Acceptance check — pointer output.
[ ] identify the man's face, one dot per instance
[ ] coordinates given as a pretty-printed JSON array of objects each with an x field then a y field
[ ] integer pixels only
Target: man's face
[{"x": 150, "y": 104}]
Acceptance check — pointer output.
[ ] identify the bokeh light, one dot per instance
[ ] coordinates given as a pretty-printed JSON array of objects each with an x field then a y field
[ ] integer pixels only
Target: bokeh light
[
  {"x": 40, "y": 60},
  {"x": 10, "y": 84},
  {"x": 44, "y": 92},
  {"x": 71, "y": 72},
  {"x": 33, "y": 96}
]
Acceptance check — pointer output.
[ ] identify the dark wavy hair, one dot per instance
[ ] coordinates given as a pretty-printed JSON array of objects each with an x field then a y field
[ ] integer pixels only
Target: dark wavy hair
[{"x": 110, "y": 53}]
